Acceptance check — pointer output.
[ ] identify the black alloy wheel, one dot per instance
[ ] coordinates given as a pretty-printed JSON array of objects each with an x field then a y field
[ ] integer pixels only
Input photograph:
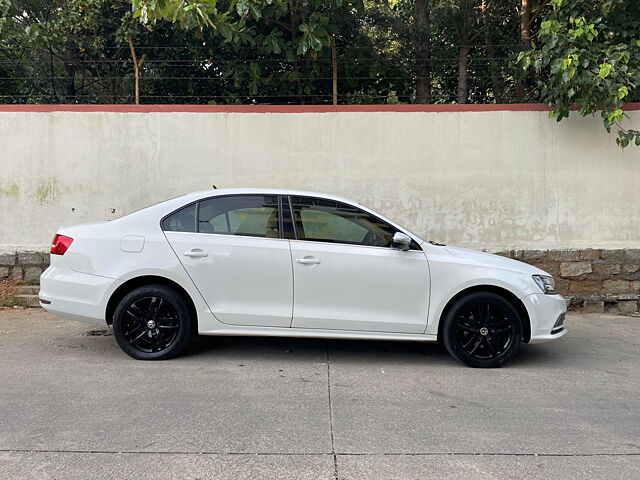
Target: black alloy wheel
[
  {"x": 482, "y": 329},
  {"x": 152, "y": 323}
]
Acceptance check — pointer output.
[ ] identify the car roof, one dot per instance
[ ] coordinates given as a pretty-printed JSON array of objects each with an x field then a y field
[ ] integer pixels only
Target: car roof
[
  {"x": 262, "y": 191},
  {"x": 168, "y": 206}
]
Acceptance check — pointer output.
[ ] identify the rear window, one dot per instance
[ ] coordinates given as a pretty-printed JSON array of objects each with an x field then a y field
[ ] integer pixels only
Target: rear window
[{"x": 184, "y": 220}]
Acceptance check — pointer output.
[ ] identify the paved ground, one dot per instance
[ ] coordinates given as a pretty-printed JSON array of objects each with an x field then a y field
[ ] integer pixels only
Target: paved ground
[{"x": 72, "y": 406}]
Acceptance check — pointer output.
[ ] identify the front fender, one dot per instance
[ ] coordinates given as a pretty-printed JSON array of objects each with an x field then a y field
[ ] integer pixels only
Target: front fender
[{"x": 451, "y": 275}]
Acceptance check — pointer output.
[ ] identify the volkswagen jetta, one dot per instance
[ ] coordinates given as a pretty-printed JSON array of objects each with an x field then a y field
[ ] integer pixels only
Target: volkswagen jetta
[{"x": 291, "y": 263}]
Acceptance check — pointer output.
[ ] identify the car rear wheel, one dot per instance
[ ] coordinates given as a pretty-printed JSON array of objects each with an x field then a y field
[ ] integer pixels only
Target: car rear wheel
[
  {"x": 152, "y": 323},
  {"x": 482, "y": 329}
]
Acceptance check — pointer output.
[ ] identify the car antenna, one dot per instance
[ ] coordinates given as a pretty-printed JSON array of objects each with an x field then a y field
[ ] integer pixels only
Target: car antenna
[{"x": 214, "y": 187}]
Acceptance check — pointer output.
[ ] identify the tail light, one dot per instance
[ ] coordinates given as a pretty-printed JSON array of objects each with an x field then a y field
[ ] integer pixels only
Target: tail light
[{"x": 60, "y": 244}]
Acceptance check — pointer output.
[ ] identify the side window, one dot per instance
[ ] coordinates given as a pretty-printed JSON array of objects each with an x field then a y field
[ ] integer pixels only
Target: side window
[
  {"x": 184, "y": 220},
  {"x": 330, "y": 221},
  {"x": 246, "y": 215}
]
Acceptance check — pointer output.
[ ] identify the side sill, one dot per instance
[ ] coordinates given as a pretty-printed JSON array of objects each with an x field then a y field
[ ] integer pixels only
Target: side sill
[{"x": 315, "y": 333}]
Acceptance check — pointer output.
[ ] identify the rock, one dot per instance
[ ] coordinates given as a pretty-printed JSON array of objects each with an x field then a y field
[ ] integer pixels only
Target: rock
[
  {"x": 627, "y": 306},
  {"x": 621, "y": 286},
  {"x": 587, "y": 287},
  {"x": 32, "y": 274},
  {"x": 552, "y": 268},
  {"x": 633, "y": 254},
  {"x": 613, "y": 256},
  {"x": 564, "y": 255},
  {"x": 530, "y": 255},
  {"x": 606, "y": 269},
  {"x": 621, "y": 296},
  {"x": 16, "y": 274},
  {"x": 574, "y": 269},
  {"x": 562, "y": 286},
  {"x": 29, "y": 258},
  {"x": 589, "y": 254},
  {"x": 593, "y": 306},
  {"x": 4, "y": 272},
  {"x": 8, "y": 259},
  {"x": 631, "y": 267}
]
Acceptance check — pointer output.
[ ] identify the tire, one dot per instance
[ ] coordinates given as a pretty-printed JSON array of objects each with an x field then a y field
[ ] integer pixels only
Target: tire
[
  {"x": 483, "y": 330},
  {"x": 152, "y": 323}
]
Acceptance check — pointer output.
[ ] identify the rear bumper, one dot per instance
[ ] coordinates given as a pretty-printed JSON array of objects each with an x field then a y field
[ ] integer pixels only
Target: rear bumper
[
  {"x": 546, "y": 313},
  {"x": 75, "y": 296}
]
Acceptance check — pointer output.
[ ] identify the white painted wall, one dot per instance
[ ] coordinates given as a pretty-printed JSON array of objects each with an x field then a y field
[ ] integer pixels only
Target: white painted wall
[{"x": 492, "y": 180}]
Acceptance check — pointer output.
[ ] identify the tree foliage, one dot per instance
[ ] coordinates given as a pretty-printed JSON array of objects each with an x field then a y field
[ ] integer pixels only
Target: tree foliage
[
  {"x": 296, "y": 27},
  {"x": 65, "y": 50},
  {"x": 587, "y": 54}
]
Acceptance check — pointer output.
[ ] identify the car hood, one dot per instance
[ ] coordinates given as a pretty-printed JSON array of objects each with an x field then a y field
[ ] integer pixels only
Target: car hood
[{"x": 495, "y": 261}]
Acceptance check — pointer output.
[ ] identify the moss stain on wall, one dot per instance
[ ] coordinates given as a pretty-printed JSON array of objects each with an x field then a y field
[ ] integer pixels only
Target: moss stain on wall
[
  {"x": 47, "y": 191},
  {"x": 10, "y": 190}
]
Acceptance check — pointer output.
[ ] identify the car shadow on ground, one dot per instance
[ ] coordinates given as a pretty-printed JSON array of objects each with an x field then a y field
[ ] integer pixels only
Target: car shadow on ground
[
  {"x": 377, "y": 352},
  {"x": 345, "y": 351}
]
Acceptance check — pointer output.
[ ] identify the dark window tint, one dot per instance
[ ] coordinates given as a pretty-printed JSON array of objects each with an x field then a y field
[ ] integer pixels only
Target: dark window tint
[
  {"x": 183, "y": 220},
  {"x": 247, "y": 215},
  {"x": 330, "y": 221}
]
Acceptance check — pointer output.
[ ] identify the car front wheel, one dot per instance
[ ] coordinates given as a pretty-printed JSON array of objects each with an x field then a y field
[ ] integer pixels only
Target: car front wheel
[
  {"x": 152, "y": 323},
  {"x": 482, "y": 329}
]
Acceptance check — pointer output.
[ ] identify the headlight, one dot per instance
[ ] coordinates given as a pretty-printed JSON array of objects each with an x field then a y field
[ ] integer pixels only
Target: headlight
[{"x": 546, "y": 283}]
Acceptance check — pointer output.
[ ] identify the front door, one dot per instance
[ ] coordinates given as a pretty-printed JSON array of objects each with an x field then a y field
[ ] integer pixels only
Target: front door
[
  {"x": 236, "y": 258},
  {"x": 347, "y": 275}
]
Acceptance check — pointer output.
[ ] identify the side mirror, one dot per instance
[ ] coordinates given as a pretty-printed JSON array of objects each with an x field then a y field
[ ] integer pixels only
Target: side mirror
[{"x": 401, "y": 241}]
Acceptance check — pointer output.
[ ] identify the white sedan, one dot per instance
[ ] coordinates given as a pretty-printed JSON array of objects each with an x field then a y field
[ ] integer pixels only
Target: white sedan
[{"x": 291, "y": 263}]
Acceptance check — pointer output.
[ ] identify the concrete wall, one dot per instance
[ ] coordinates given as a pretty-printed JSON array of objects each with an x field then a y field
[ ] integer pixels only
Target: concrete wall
[{"x": 484, "y": 179}]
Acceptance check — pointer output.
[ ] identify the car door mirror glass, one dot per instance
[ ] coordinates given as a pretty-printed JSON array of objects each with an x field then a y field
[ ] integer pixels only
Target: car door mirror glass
[{"x": 401, "y": 241}]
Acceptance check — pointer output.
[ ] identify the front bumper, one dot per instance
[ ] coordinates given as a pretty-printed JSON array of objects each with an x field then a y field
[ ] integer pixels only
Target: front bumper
[
  {"x": 75, "y": 296},
  {"x": 546, "y": 313}
]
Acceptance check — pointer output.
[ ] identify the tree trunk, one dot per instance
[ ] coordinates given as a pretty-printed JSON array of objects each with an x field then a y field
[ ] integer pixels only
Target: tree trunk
[
  {"x": 70, "y": 83},
  {"x": 53, "y": 75},
  {"x": 463, "y": 76},
  {"x": 525, "y": 41},
  {"x": 136, "y": 70},
  {"x": 423, "y": 51},
  {"x": 491, "y": 52},
  {"x": 334, "y": 71},
  {"x": 525, "y": 24}
]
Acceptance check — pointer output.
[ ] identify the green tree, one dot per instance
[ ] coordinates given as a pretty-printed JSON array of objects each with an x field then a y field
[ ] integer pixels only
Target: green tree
[
  {"x": 298, "y": 32},
  {"x": 462, "y": 18},
  {"x": 77, "y": 51},
  {"x": 73, "y": 50},
  {"x": 587, "y": 55}
]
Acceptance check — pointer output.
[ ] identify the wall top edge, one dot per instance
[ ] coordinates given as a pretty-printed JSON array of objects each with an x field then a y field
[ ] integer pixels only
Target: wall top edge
[{"x": 511, "y": 107}]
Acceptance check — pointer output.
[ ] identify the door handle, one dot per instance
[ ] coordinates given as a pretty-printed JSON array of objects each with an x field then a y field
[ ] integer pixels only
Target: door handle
[
  {"x": 196, "y": 253},
  {"x": 308, "y": 261}
]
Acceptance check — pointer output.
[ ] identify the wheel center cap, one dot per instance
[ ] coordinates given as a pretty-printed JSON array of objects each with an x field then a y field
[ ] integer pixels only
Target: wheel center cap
[
  {"x": 151, "y": 324},
  {"x": 484, "y": 331}
]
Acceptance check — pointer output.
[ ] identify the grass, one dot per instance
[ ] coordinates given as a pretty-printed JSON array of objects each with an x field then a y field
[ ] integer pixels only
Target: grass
[
  {"x": 25, "y": 283},
  {"x": 11, "y": 302}
]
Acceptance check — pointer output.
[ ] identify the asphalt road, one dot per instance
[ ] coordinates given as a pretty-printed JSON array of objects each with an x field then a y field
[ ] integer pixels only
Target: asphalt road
[{"x": 73, "y": 406}]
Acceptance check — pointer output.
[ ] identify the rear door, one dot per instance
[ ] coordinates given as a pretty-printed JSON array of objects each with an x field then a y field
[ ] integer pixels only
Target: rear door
[{"x": 232, "y": 249}]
